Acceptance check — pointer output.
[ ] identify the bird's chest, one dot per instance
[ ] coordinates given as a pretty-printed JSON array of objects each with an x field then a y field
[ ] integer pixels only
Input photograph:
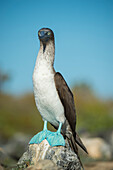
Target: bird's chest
[
  {"x": 46, "y": 96},
  {"x": 44, "y": 89}
]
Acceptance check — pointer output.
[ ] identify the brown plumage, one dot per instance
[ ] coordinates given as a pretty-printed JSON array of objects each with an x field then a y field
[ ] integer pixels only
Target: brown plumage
[{"x": 67, "y": 100}]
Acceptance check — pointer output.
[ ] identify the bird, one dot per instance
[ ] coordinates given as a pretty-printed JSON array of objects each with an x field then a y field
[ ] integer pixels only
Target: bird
[{"x": 53, "y": 97}]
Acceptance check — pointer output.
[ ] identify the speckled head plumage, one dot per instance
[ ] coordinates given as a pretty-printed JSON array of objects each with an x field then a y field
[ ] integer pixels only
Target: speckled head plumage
[{"x": 45, "y": 35}]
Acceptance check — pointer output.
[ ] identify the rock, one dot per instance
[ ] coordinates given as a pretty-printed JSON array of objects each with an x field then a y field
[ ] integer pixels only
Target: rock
[
  {"x": 99, "y": 166},
  {"x": 111, "y": 142},
  {"x": 1, "y": 168},
  {"x": 5, "y": 160},
  {"x": 62, "y": 157},
  {"x": 16, "y": 145},
  {"x": 97, "y": 148},
  {"x": 44, "y": 165}
]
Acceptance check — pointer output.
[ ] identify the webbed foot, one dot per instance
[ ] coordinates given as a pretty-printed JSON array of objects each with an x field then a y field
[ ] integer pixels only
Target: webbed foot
[
  {"x": 55, "y": 139},
  {"x": 39, "y": 137}
]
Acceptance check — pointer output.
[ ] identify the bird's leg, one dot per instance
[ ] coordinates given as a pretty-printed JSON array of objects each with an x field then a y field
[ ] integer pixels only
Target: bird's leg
[
  {"x": 56, "y": 138},
  {"x": 59, "y": 128},
  {"x": 39, "y": 137},
  {"x": 45, "y": 125}
]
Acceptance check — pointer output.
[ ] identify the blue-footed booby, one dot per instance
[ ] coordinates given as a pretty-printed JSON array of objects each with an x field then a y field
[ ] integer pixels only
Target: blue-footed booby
[{"x": 53, "y": 97}]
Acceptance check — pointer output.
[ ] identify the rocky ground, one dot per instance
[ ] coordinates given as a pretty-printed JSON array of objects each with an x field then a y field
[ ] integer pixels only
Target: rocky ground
[
  {"x": 100, "y": 151},
  {"x": 99, "y": 166}
]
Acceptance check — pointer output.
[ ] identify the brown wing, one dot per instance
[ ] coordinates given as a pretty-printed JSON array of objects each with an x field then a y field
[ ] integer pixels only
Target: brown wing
[{"x": 67, "y": 100}]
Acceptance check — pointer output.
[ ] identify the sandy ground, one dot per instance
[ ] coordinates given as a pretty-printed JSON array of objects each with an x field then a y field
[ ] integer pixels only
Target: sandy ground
[{"x": 99, "y": 166}]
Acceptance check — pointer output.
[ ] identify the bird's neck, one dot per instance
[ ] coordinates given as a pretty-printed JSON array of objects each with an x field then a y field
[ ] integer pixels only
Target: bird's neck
[{"x": 47, "y": 52}]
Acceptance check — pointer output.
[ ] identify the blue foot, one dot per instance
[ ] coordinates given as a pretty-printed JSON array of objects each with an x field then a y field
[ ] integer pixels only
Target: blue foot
[
  {"x": 39, "y": 137},
  {"x": 55, "y": 139}
]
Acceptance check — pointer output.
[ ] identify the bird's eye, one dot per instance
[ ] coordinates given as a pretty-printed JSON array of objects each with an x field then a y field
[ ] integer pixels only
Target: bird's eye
[{"x": 48, "y": 33}]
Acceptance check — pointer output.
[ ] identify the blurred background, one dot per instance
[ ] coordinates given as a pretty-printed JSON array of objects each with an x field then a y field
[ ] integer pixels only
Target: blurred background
[{"x": 84, "y": 56}]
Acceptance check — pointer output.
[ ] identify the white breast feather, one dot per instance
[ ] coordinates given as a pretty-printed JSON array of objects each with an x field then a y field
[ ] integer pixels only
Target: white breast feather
[{"x": 46, "y": 96}]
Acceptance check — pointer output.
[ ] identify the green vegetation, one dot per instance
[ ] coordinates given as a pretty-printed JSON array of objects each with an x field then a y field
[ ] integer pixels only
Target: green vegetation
[
  {"x": 19, "y": 114},
  {"x": 93, "y": 114}
]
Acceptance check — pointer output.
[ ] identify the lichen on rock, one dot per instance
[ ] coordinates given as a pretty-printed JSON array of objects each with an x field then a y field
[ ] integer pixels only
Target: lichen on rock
[{"x": 43, "y": 156}]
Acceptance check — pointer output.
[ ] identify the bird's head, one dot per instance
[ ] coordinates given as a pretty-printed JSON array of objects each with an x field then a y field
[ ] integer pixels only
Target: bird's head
[{"x": 45, "y": 35}]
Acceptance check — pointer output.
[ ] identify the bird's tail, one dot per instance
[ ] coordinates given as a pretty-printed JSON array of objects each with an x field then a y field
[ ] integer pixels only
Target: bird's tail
[
  {"x": 73, "y": 138},
  {"x": 79, "y": 142},
  {"x": 73, "y": 145}
]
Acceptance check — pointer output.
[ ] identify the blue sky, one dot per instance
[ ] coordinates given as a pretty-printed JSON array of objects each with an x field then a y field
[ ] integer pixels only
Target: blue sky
[{"x": 83, "y": 37}]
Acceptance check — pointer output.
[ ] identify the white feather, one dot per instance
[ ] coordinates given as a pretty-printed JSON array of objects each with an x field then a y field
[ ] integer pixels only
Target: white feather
[{"x": 46, "y": 96}]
